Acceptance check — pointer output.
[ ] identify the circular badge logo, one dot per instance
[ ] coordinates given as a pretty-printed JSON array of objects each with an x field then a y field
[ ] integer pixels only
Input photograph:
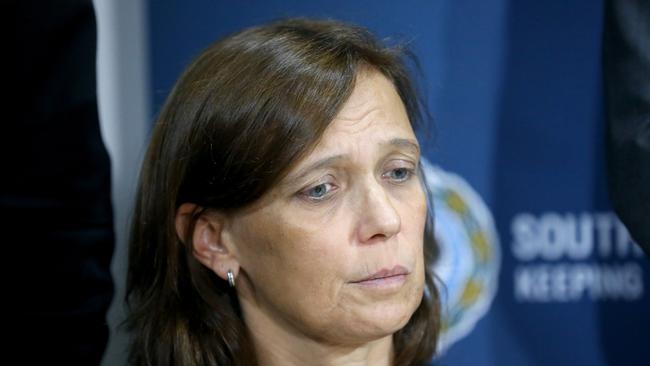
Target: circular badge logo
[{"x": 469, "y": 255}]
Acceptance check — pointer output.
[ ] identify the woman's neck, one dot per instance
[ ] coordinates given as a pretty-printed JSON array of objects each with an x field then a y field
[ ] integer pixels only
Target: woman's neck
[
  {"x": 273, "y": 352},
  {"x": 277, "y": 344}
]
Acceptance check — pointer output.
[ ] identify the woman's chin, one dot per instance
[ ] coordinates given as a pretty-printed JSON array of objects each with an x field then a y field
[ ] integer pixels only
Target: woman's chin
[{"x": 380, "y": 321}]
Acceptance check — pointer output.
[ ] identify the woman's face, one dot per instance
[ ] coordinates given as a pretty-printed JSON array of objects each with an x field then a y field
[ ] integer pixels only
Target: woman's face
[{"x": 335, "y": 251}]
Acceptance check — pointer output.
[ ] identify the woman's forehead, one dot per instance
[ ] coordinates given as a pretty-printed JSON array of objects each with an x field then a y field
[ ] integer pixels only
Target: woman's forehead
[
  {"x": 373, "y": 115},
  {"x": 372, "y": 92}
]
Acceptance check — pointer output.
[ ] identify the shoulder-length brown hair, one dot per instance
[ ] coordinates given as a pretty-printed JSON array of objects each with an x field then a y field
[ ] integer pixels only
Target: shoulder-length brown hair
[{"x": 244, "y": 112}]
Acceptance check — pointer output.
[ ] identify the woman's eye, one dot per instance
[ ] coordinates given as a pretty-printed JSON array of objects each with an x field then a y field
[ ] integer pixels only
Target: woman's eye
[
  {"x": 319, "y": 192},
  {"x": 399, "y": 174}
]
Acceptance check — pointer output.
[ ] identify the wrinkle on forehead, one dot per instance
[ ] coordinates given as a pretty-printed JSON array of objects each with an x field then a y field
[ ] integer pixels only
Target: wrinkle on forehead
[{"x": 371, "y": 97}]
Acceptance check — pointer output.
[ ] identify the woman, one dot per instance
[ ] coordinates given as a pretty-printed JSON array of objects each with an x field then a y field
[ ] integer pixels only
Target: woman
[{"x": 280, "y": 215}]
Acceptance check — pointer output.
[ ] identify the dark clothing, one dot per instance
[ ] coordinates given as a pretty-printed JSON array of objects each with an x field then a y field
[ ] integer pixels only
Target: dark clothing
[
  {"x": 626, "y": 57},
  {"x": 55, "y": 195}
]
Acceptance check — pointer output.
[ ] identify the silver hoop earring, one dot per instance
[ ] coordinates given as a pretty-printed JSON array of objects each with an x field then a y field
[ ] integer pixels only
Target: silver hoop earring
[{"x": 231, "y": 279}]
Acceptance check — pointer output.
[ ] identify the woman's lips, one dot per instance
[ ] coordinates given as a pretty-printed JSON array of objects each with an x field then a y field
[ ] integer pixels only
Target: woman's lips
[{"x": 385, "y": 277}]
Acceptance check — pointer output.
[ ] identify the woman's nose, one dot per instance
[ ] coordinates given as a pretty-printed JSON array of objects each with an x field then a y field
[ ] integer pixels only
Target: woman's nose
[{"x": 378, "y": 218}]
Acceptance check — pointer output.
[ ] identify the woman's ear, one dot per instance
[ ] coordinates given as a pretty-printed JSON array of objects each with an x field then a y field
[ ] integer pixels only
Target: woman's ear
[{"x": 207, "y": 238}]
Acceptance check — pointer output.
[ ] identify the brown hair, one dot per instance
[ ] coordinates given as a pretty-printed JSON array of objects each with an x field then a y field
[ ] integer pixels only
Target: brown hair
[{"x": 245, "y": 111}]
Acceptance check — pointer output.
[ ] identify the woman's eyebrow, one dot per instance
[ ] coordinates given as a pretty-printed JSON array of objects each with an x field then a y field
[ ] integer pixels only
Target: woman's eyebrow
[
  {"x": 317, "y": 165},
  {"x": 404, "y": 143},
  {"x": 330, "y": 160}
]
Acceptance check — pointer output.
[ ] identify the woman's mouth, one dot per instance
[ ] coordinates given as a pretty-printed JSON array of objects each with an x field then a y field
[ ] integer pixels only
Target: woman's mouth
[{"x": 385, "y": 277}]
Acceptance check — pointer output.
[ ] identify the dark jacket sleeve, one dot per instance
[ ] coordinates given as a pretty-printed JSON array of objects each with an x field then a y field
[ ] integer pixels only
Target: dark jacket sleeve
[
  {"x": 55, "y": 195},
  {"x": 626, "y": 61}
]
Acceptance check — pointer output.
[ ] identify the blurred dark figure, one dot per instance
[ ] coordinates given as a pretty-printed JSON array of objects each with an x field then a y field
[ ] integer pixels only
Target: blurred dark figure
[
  {"x": 626, "y": 56},
  {"x": 55, "y": 195}
]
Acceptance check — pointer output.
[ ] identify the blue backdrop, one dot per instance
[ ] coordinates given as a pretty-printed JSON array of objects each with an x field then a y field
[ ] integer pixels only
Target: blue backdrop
[{"x": 516, "y": 94}]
